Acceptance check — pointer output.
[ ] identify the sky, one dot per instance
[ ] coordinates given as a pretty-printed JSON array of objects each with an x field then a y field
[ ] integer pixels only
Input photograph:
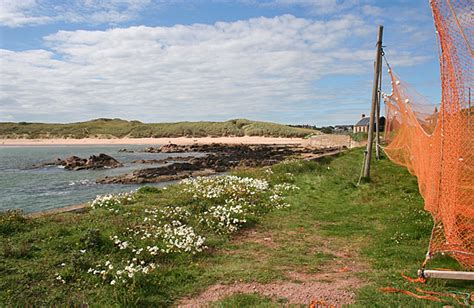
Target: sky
[{"x": 286, "y": 61}]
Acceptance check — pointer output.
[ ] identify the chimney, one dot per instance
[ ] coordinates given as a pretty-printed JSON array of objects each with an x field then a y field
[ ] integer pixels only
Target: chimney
[{"x": 362, "y": 116}]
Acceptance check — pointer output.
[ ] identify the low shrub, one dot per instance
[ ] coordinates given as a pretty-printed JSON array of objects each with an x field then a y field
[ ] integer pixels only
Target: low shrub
[{"x": 12, "y": 221}]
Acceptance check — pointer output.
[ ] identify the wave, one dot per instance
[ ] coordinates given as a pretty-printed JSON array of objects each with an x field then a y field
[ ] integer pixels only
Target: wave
[{"x": 84, "y": 182}]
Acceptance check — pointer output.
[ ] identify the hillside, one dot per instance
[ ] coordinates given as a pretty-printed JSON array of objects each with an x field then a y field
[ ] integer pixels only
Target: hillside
[{"x": 117, "y": 128}]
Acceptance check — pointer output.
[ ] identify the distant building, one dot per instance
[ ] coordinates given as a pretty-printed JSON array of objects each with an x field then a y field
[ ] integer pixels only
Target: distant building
[
  {"x": 363, "y": 125},
  {"x": 341, "y": 129}
]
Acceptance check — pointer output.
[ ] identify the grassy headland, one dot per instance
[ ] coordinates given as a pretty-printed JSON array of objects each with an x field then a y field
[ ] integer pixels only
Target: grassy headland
[
  {"x": 379, "y": 227},
  {"x": 117, "y": 128}
]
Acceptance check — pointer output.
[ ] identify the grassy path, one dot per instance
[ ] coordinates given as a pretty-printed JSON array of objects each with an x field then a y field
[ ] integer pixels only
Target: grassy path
[
  {"x": 370, "y": 233},
  {"x": 337, "y": 242}
]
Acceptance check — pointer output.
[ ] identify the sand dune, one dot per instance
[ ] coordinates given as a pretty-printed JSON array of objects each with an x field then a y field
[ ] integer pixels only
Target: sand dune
[{"x": 127, "y": 141}]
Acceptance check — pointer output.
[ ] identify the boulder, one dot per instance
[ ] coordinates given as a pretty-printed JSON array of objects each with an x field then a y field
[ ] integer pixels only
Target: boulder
[
  {"x": 101, "y": 161},
  {"x": 73, "y": 162}
]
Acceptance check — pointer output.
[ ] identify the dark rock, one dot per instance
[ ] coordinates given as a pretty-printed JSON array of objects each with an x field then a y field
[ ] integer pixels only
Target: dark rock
[
  {"x": 152, "y": 150},
  {"x": 173, "y": 148},
  {"x": 153, "y": 175},
  {"x": 73, "y": 162},
  {"x": 163, "y": 161},
  {"x": 101, "y": 161},
  {"x": 209, "y": 148}
]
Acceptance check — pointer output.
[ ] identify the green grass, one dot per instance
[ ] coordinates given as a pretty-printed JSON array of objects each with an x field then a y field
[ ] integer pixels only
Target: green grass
[
  {"x": 359, "y": 136},
  {"x": 117, "y": 128},
  {"x": 382, "y": 222}
]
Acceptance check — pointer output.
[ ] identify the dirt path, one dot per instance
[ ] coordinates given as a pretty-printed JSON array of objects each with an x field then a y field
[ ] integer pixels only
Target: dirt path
[{"x": 335, "y": 283}]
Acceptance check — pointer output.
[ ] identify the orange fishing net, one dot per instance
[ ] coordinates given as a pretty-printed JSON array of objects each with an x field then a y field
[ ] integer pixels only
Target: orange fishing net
[{"x": 436, "y": 143}]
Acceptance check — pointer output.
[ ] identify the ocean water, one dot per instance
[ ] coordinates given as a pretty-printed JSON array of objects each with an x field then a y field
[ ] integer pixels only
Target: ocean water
[{"x": 32, "y": 190}]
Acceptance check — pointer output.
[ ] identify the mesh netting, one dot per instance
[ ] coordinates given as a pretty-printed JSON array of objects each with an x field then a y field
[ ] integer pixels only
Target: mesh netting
[{"x": 436, "y": 143}]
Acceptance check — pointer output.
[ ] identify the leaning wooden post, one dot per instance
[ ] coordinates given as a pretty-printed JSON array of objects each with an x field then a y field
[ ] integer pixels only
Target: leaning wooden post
[
  {"x": 377, "y": 117},
  {"x": 370, "y": 139}
]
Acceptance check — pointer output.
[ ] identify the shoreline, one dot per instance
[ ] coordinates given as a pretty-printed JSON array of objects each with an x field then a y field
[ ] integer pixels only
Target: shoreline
[
  {"x": 150, "y": 141},
  {"x": 82, "y": 207}
]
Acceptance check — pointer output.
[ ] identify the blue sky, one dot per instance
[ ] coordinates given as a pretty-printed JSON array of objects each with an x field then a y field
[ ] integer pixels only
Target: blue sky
[{"x": 288, "y": 61}]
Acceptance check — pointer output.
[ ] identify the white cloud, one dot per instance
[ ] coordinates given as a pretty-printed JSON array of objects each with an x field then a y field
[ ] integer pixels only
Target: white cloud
[
  {"x": 18, "y": 13},
  {"x": 265, "y": 68}
]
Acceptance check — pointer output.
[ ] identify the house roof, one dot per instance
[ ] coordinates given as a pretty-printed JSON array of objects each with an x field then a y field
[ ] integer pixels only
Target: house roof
[
  {"x": 366, "y": 120},
  {"x": 363, "y": 122}
]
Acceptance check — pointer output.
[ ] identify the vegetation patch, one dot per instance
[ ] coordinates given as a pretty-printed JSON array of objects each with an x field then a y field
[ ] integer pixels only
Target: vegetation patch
[
  {"x": 129, "y": 240},
  {"x": 244, "y": 234},
  {"x": 361, "y": 136},
  {"x": 117, "y": 128}
]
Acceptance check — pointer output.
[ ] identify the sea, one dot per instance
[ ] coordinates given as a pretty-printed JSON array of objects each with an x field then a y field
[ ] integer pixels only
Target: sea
[{"x": 37, "y": 189}]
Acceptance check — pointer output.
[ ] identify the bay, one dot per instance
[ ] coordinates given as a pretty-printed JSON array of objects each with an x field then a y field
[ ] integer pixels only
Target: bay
[{"x": 37, "y": 189}]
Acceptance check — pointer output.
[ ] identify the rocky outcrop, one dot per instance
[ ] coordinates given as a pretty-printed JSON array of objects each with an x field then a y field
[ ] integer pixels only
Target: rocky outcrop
[
  {"x": 220, "y": 158},
  {"x": 73, "y": 163},
  {"x": 162, "y": 161},
  {"x": 208, "y": 148},
  {"x": 171, "y": 172},
  {"x": 101, "y": 161}
]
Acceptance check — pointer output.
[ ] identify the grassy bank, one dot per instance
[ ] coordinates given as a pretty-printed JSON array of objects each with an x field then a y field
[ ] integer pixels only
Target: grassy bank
[
  {"x": 379, "y": 227},
  {"x": 117, "y": 128}
]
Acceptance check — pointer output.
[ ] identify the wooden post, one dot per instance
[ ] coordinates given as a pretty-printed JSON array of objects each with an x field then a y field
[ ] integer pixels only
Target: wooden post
[
  {"x": 377, "y": 117},
  {"x": 377, "y": 72}
]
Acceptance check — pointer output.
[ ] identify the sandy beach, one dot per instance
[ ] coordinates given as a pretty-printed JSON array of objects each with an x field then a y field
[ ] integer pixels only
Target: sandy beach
[{"x": 157, "y": 141}]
